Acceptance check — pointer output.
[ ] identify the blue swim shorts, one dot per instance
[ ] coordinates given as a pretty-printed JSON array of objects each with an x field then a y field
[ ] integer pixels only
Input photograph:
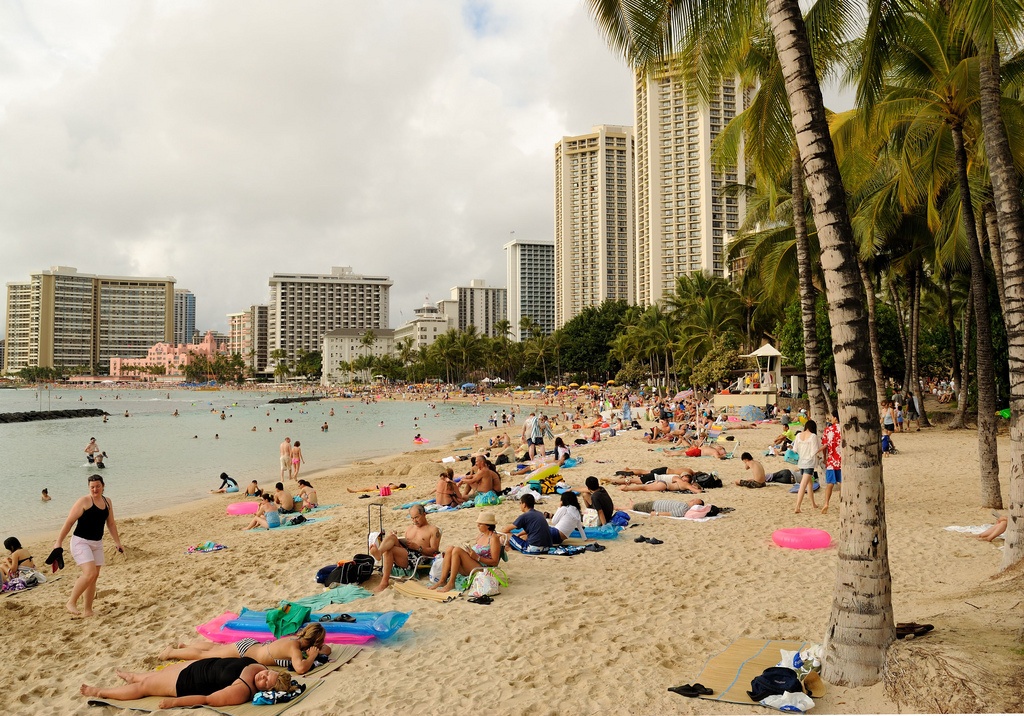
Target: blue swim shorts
[{"x": 833, "y": 477}]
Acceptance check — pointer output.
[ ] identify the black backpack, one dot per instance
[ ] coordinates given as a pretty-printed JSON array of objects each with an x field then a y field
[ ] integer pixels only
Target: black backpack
[
  {"x": 356, "y": 571},
  {"x": 706, "y": 480},
  {"x": 784, "y": 476},
  {"x": 773, "y": 682}
]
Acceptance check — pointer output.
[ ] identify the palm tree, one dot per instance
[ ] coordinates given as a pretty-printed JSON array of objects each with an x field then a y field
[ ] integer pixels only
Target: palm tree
[
  {"x": 929, "y": 90},
  {"x": 990, "y": 23},
  {"x": 503, "y": 331},
  {"x": 861, "y": 623}
]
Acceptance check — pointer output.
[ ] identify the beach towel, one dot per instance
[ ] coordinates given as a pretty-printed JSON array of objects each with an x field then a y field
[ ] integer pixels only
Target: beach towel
[
  {"x": 319, "y": 508},
  {"x": 558, "y": 550},
  {"x": 152, "y": 703},
  {"x": 970, "y": 529},
  {"x": 342, "y": 594},
  {"x": 407, "y": 505},
  {"x": 205, "y": 547},
  {"x": 599, "y": 532},
  {"x": 418, "y": 590},
  {"x": 679, "y": 519},
  {"x": 285, "y": 526},
  {"x": 49, "y": 580},
  {"x": 729, "y": 673}
]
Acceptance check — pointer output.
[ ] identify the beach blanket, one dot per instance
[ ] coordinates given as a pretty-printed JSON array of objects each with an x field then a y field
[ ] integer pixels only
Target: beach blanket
[
  {"x": 342, "y": 594},
  {"x": 407, "y": 505},
  {"x": 729, "y": 673},
  {"x": 412, "y": 588},
  {"x": 598, "y": 532},
  {"x": 49, "y": 580},
  {"x": 319, "y": 508},
  {"x": 152, "y": 703},
  {"x": 309, "y": 521},
  {"x": 205, "y": 547},
  {"x": 559, "y": 550},
  {"x": 970, "y": 529},
  {"x": 680, "y": 519}
]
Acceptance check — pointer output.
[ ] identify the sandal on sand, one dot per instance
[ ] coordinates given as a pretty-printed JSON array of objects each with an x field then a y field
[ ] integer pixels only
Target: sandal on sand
[
  {"x": 654, "y": 540},
  {"x": 595, "y": 547},
  {"x": 910, "y": 630},
  {"x": 344, "y": 618},
  {"x": 484, "y": 599},
  {"x": 691, "y": 692},
  {"x": 641, "y": 538}
]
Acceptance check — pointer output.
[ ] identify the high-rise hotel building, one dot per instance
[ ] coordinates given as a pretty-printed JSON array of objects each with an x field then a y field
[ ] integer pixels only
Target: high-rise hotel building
[
  {"x": 303, "y": 307},
  {"x": 184, "y": 315},
  {"x": 247, "y": 336},
  {"x": 683, "y": 219},
  {"x": 477, "y": 305},
  {"x": 64, "y": 318},
  {"x": 530, "y": 285},
  {"x": 594, "y": 220}
]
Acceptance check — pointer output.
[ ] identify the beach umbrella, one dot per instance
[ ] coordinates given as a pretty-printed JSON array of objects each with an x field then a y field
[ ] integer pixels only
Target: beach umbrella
[
  {"x": 549, "y": 387},
  {"x": 574, "y": 385},
  {"x": 751, "y": 413},
  {"x": 469, "y": 385},
  {"x": 683, "y": 394},
  {"x": 562, "y": 387},
  {"x": 610, "y": 382}
]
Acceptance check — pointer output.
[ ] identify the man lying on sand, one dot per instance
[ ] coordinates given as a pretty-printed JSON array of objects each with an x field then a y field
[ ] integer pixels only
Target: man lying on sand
[{"x": 694, "y": 509}]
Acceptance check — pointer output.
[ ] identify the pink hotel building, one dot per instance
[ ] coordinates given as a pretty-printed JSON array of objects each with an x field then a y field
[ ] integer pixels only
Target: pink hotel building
[{"x": 172, "y": 358}]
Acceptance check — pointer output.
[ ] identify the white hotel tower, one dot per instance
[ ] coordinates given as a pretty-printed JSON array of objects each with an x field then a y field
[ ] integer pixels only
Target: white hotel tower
[
  {"x": 594, "y": 210},
  {"x": 683, "y": 221}
]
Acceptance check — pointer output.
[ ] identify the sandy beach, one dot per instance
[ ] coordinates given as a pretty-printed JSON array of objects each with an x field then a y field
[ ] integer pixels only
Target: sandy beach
[{"x": 587, "y": 634}]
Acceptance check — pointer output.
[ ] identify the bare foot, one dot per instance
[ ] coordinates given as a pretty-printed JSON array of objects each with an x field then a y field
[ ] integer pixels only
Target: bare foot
[
  {"x": 445, "y": 588},
  {"x": 381, "y": 587},
  {"x": 73, "y": 608},
  {"x": 87, "y": 690},
  {"x": 797, "y": 510},
  {"x": 126, "y": 676},
  {"x": 88, "y": 613},
  {"x": 824, "y": 510}
]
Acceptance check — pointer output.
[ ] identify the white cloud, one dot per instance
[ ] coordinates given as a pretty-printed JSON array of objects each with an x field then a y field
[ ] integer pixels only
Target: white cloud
[{"x": 220, "y": 142}]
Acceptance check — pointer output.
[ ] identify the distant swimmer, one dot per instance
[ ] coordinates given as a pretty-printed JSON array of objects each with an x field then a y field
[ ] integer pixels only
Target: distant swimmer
[
  {"x": 332, "y": 412},
  {"x": 46, "y": 495},
  {"x": 325, "y": 427},
  {"x": 381, "y": 424},
  {"x": 126, "y": 414},
  {"x": 174, "y": 414},
  {"x": 91, "y": 450}
]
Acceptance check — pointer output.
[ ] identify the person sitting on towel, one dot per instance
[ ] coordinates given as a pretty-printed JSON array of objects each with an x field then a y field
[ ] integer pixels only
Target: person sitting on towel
[
  {"x": 674, "y": 508},
  {"x": 757, "y": 477},
  {"x": 299, "y": 652},
  {"x": 267, "y": 514},
  {"x": 284, "y": 499},
  {"x": 207, "y": 682},
  {"x": 566, "y": 519},
  {"x": 598, "y": 498},
  {"x": 421, "y": 539},
  {"x": 447, "y": 494},
  {"x": 536, "y": 537},
  {"x": 486, "y": 552}
]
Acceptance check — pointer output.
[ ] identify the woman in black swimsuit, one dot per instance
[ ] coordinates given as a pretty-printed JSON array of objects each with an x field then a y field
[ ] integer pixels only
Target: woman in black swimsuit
[
  {"x": 207, "y": 682},
  {"x": 92, "y": 513}
]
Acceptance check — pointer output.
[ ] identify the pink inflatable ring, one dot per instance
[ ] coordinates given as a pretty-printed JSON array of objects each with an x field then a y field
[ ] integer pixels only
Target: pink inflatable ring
[
  {"x": 243, "y": 508},
  {"x": 802, "y": 538}
]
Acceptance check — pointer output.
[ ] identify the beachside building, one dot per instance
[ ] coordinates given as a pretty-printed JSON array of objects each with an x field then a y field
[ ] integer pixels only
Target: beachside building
[
  {"x": 304, "y": 307},
  {"x": 168, "y": 359},
  {"x": 247, "y": 336},
  {"x": 184, "y": 316},
  {"x": 477, "y": 305},
  {"x": 530, "y": 282},
  {"x": 64, "y": 318},
  {"x": 684, "y": 220},
  {"x": 594, "y": 247},
  {"x": 427, "y": 324},
  {"x": 344, "y": 346}
]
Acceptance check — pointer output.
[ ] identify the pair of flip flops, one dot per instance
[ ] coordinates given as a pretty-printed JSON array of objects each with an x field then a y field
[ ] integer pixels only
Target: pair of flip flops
[
  {"x": 344, "y": 618},
  {"x": 648, "y": 540},
  {"x": 911, "y": 630},
  {"x": 482, "y": 599},
  {"x": 595, "y": 547},
  {"x": 691, "y": 691}
]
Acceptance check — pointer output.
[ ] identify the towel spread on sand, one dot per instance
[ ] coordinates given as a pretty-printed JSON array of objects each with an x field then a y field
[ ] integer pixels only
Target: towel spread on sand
[
  {"x": 205, "y": 547},
  {"x": 339, "y": 595},
  {"x": 970, "y": 529}
]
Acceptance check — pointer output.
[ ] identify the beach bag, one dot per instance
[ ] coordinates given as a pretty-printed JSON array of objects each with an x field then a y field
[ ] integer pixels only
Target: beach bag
[
  {"x": 436, "y": 569},
  {"x": 297, "y": 520},
  {"x": 590, "y": 517},
  {"x": 548, "y": 485},
  {"x": 774, "y": 681},
  {"x": 792, "y": 457},
  {"x": 706, "y": 481},
  {"x": 323, "y": 574},
  {"x": 620, "y": 519},
  {"x": 355, "y": 571},
  {"x": 385, "y": 490},
  {"x": 488, "y": 582}
]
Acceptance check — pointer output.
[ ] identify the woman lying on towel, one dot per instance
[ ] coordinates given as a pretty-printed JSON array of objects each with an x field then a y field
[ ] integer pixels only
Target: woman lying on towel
[
  {"x": 463, "y": 560},
  {"x": 299, "y": 652},
  {"x": 207, "y": 682}
]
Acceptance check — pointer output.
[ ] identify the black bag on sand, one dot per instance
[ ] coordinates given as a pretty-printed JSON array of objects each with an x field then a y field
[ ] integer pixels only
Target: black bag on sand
[
  {"x": 706, "y": 480},
  {"x": 784, "y": 477},
  {"x": 356, "y": 571},
  {"x": 773, "y": 681}
]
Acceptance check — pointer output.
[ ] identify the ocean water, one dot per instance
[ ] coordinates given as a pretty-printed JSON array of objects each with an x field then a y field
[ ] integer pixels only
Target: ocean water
[{"x": 156, "y": 460}]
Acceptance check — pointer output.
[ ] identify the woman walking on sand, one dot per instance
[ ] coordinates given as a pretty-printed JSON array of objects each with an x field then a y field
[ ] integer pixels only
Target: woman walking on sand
[
  {"x": 91, "y": 513},
  {"x": 807, "y": 446}
]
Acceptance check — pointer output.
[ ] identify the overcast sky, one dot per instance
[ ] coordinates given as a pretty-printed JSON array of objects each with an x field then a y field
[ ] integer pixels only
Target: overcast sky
[{"x": 220, "y": 142}]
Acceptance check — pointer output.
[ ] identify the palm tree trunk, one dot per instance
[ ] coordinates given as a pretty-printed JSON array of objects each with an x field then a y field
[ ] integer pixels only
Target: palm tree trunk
[
  {"x": 812, "y": 366},
  {"x": 915, "y": 377},
  {"x": 954, "y": 353},
  {"x": 988, "y": 457},
  {"x": 995, "y": 248},
  {"x": 860, "y": 626},
  {"x": 901, "y": 329},
  {"x": 1010, "y": 215},
  {"x": 876, "y": 350},
  {"x": 959, "y": 419}
]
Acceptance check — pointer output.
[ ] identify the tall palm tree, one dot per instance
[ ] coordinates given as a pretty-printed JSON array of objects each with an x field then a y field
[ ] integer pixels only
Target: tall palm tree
[{"x": 861, "y": 623}]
